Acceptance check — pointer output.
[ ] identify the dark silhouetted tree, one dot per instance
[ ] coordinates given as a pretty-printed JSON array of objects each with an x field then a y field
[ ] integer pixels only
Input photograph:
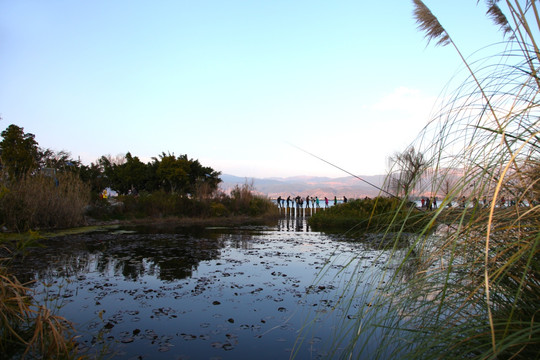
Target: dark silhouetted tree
[
  {"x": 406, "y": 171},
  {"x": 19, "y": 151}
]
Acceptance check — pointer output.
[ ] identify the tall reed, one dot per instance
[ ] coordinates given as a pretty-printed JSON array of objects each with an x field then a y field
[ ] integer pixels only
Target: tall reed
[
  {"x": 471, "y": 289},
  {"x": 29, "y": 330},
  {"x": 38, "y": 201}
]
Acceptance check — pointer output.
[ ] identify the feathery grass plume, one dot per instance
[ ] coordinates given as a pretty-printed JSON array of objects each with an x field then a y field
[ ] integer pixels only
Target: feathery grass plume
[
  {"x": 428, "y": 23},
  {"x": 498, "y": 17}
]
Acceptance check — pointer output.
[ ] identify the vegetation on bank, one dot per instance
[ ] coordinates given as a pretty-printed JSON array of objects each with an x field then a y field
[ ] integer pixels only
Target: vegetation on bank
[
  {"x": 241, "y": 202},
  {"x": 29, "y": 329},
  {"x": 373, "y": 215},
  {"x": 471, "y": 291},
  {"x": 45, "y": 190}
]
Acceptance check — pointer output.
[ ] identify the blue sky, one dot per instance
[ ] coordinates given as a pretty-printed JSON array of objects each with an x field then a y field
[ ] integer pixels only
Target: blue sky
[{"x": 235, "y": 84}]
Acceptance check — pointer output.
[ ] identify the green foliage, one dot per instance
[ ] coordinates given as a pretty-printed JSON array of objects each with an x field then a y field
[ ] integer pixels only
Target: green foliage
[
  {"x": 370, "y": 215},
  {"x": 133, "y": 174},
  {"x": 19, "y": 151},
  {"x": 174, "y": 172},
  {"x": 162, "y": 204},
  {"x": 166, "y": 172},
  {"x": 218, "y": 210},
  {"x": 157, "y": 204}
]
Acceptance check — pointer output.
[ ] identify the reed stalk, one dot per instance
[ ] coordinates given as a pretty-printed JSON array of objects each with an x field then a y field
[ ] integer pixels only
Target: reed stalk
[
  {"x": 29, "y": 330},
  {"x": 38, "y": 202},
  {"x": 468, "y": 286}
]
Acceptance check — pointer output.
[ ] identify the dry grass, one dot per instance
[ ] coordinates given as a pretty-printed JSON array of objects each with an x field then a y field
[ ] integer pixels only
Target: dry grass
[
  {"x": 36, "y": 202},
  {"x": 28, "y": 330}
]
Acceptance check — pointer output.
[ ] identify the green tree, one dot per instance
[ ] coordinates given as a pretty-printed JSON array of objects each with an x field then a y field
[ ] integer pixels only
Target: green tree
[
  {"x": 203, "y": 180},
  {"x": 93, "y": 174},
  {"x": 19, "y": 151},
  {"x": 132, "y": 174},
  {"x": 58, "y": 160},
  {"x": 173, "y": 172}
]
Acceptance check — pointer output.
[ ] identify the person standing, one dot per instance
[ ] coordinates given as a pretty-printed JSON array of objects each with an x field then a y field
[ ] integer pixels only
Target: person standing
[
  {"x": 335, "y": 200},
  {"x": 326, "y": 201}
]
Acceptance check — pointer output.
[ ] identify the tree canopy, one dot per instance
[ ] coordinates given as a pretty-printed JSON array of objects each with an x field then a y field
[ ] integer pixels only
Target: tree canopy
[
  {"x": 19, "y": 151},
  {"x": 167, "y": 172}
]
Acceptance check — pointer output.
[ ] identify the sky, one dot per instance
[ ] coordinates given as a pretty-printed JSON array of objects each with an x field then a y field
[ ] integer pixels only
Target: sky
[{"x": 250, "y": 88}]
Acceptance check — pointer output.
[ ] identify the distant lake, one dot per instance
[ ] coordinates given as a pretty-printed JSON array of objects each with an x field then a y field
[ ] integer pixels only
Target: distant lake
[{"x": 213, "y": 293}]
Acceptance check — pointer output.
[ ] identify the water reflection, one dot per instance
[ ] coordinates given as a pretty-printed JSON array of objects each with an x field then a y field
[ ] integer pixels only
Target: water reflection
[
  {"x": 205, "y": 293},
  {"x": 293, "y": 223},
  {"x": 168, "y": 257}
]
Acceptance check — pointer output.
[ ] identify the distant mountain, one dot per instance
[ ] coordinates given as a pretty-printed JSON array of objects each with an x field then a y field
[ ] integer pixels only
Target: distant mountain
[{"x": 349, "y": 186}]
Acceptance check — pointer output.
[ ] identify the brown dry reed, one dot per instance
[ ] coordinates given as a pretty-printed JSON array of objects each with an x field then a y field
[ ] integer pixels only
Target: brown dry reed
[
  {"x": 38, "y": 202},
  {"x": 29, "y": 330}
]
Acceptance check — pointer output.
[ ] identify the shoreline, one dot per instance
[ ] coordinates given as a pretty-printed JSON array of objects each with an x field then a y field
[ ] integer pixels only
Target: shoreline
[{"x": 93, "y": 225}]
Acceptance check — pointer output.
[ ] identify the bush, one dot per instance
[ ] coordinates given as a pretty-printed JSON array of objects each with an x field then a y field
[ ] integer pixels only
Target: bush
[
  {"x": 373, "y": 215},
  {"x": 218, "y": 210}
]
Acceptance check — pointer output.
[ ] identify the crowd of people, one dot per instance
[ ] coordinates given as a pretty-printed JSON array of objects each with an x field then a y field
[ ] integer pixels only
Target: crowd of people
[
  {"x": 463, "y": 202},
  {"x": 307, "y": 202},
  {"x": 429, "y": 203}
]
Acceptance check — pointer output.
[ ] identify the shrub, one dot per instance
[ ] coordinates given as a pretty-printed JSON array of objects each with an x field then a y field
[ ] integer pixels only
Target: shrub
[
  {"x": 369, "y": 215},
  {"x": 218, "y": 209}
]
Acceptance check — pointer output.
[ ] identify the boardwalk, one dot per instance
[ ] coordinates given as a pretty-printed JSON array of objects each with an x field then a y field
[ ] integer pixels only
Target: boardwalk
[{"x": 303, "y": 209}]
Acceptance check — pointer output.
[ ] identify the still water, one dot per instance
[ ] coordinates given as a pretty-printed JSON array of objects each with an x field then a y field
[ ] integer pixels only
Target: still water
[{"x": 214, "y": 293}]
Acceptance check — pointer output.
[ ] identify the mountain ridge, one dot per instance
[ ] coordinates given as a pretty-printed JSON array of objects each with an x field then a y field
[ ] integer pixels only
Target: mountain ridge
[{"x": 273, "y": 187}]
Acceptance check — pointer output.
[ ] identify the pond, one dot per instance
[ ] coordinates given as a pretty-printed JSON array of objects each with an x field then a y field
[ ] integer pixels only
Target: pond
[{"x": 271, "y": 292}]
